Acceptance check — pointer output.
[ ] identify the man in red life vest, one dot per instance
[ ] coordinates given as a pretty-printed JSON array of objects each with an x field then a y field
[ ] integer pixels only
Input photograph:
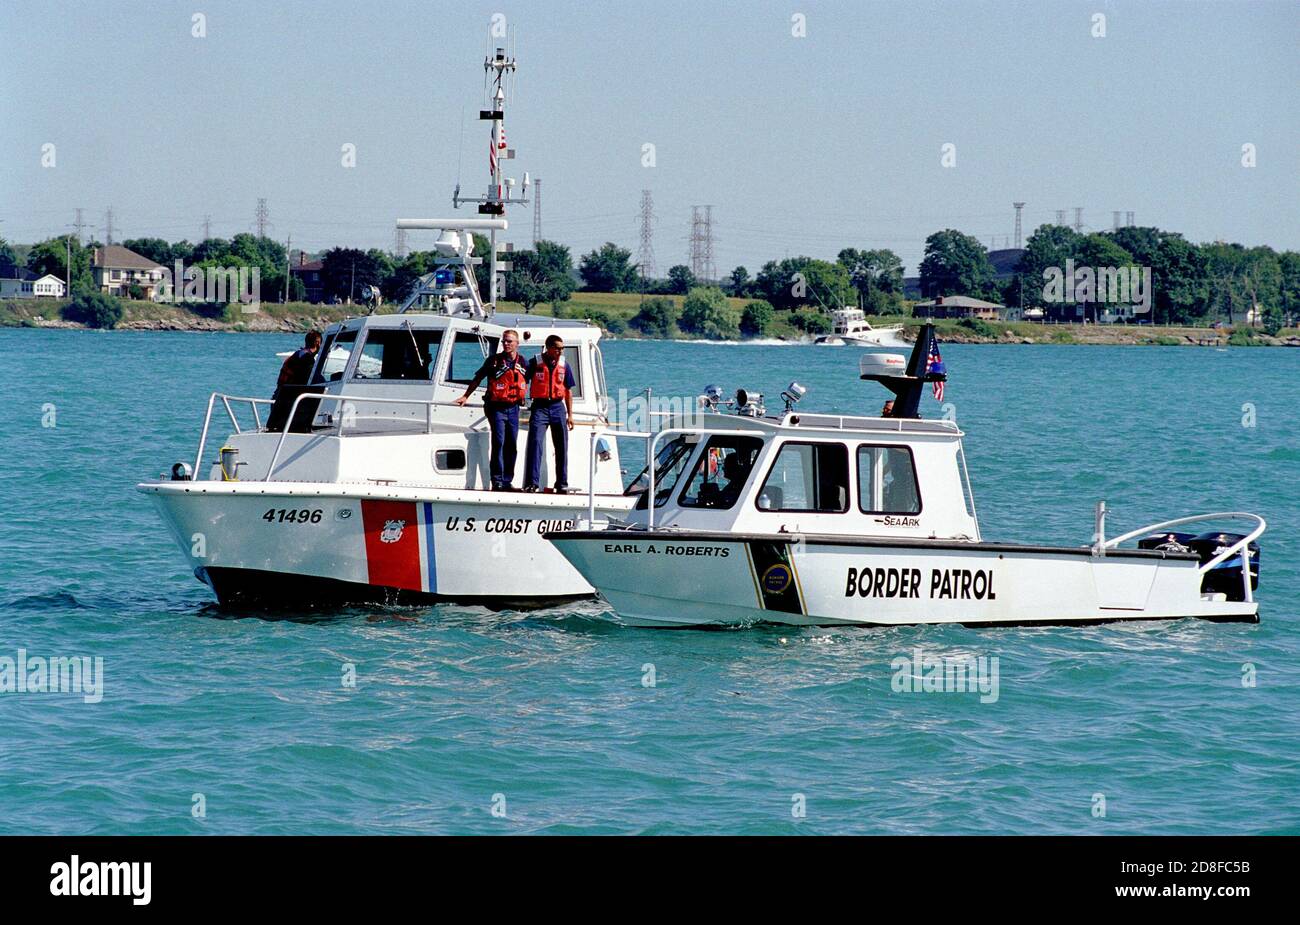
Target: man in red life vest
[
  {"x": 550, "y": 386},
  {"x": 505, "y": 375}
]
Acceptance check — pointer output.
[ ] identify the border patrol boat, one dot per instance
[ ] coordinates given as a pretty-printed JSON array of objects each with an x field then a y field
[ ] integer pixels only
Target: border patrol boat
[
  {"x": 821, "y": 519},
  {"x": 370, "y": 482}
]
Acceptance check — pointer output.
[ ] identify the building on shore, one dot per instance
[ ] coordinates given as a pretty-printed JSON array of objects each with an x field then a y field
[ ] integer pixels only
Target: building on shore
[
  {"x": 309, "y": 272},
  {"x": 117, "y": 269},
  {"x": 958, "y": 306},
  {"x": 18, "y": 283}
]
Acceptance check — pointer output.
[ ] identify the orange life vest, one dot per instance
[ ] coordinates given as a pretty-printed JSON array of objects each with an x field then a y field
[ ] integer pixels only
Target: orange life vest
[
  {"x": 506, "y": 384},
  {"x": 548, "y": 382}
]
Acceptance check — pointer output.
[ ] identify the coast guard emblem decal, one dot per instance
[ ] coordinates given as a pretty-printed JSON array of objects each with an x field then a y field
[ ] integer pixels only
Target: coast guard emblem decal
[{"x": 398, "y": 557}]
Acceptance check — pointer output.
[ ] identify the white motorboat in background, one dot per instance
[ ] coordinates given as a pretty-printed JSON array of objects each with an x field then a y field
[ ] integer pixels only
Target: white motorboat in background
[
  {"x": 823, "y": 519},
  {"x": 849, "y": 327}
]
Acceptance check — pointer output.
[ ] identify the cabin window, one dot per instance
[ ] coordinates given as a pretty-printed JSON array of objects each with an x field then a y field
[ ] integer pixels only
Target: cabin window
[
  {"x": 887, "y": 481},
  {"x": 598, "y": 361},
  {"x": 669, "y": 463},
  {"x": 468, "y": 351},
  {"x": 810, "y": 477},
  {"x": 397, "y": 354},
  {"x": 721, "y": 472},
  {"x": 449, "y": 460},
  {"x": 336, "y": 351},
  {"x": 571, "y": 357}
]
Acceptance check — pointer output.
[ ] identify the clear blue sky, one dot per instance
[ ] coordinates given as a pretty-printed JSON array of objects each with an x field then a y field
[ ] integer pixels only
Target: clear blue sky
[{"x": 802, "y": 145}]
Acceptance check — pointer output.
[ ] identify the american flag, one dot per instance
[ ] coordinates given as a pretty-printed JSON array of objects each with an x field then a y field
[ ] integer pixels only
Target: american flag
[
  {"x": 495, "y": 143},
  {"x": 934, "y": 364}
]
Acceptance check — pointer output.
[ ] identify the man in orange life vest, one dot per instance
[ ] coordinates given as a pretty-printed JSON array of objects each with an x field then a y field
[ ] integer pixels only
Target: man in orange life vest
[
  {"x": 504, "y": 372},
  {"x": 550, "y": 386}
]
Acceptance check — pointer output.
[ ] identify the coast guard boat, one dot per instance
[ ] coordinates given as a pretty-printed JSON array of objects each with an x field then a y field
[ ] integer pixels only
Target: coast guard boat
[
  {"x": 822, "y": 519},
  {"x": 370, "y": 483}
]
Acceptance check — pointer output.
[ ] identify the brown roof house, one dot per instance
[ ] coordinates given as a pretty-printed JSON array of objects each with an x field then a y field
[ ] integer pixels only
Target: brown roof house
[
  {"x": 958, "y": 306},
  {"x": 309, "y": 271},
  {"x": 116, "y": 269}
]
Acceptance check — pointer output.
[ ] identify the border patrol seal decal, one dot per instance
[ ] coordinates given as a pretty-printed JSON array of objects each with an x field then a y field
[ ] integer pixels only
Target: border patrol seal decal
[{"x": 776, "y": 578}]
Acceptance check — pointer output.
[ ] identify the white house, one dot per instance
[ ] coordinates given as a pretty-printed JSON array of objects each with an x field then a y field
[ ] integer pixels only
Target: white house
[{"x": 17, "y": 283}]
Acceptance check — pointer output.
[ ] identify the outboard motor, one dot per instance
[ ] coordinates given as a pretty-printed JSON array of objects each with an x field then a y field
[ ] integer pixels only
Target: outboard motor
[{"x": 1225, "y": 578}]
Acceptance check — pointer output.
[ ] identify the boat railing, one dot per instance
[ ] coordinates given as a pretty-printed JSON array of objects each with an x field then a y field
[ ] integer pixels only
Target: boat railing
[
  {"x": 1241, "y": 546},
  {"x": 226, "y": 401}
]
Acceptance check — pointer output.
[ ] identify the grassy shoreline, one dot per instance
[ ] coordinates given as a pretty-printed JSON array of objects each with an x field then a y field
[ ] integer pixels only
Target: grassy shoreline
[{"x": 296, "y": 317}]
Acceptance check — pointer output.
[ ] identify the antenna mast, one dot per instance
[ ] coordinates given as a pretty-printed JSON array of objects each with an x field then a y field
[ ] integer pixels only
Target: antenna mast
[{"x": 498, "y": 68}]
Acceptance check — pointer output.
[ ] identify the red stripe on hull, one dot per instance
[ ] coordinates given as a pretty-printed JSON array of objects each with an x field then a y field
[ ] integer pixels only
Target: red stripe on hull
[{"x": 392, "y": 543}]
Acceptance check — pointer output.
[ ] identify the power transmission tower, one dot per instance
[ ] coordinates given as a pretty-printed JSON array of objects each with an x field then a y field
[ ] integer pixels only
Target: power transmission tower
[
  {"x": 697, "y": 243},
  {"x": 1060, "y": 216},
  {"x": 1019, "y": 206},
  {"x": 710, "y": 270},
  {"x": 207, "y": 227},
  {"x": 1130, "y": 219},
  {"x": 399, "y": 243},
  {"x": 79, "y": 224},
  {"x": 1115, "y": 220},
  {"x": 1078, "y": 219},
  {"x": 261, "y": 218},
  {"x": 537, "y": 211},
  {"x": 108, "y": 226},
  {"x": 645, "y": 257}
]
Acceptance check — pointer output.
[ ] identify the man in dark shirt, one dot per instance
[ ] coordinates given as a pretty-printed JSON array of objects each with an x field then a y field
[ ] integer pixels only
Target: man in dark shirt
[
  {"x": 297, "y": 366},
  {"x": 504, "y": 372},
  {"x": 295, "y": 371},
  {"x": 550, "y": 386}
]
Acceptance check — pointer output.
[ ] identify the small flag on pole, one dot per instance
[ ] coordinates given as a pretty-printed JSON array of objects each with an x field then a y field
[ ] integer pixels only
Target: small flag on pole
[{"x": 934, "y": 364}]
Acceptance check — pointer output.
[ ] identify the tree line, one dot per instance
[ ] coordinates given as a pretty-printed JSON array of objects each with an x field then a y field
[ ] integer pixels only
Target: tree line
[{"x": 1192, "y": 283}]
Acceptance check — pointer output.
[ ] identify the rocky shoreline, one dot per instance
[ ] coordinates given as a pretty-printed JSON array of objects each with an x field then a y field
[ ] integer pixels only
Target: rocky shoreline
[{"x": 277, "y": 320}]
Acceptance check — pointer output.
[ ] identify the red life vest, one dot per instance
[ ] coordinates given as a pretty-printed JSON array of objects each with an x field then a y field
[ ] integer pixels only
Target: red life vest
[
  {"x": 506, "y": 384},
  {"x": 548, "y": 381}
]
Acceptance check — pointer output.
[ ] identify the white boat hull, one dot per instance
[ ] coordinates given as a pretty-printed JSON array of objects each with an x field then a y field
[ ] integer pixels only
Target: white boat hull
[
  {"x": 675, "y": 578},
  {"x": 304, "y": 544},
  {"x": 882, "y": 337}
]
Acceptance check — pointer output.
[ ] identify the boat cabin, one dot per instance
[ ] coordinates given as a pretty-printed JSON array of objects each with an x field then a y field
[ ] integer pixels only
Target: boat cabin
[
  {"x": 849, "y": 321},
  {"x": 432, "y": 359},
  {"x": 810, "y": 473}
]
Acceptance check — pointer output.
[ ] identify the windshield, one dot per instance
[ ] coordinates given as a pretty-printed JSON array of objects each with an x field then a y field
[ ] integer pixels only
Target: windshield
[
  {"x": 721, "y": 473},
  {"x": 669, "y": 463}
]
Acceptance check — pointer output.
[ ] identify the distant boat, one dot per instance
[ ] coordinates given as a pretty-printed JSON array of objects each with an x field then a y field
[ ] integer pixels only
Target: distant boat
[{"x": 849, "y": 327}]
